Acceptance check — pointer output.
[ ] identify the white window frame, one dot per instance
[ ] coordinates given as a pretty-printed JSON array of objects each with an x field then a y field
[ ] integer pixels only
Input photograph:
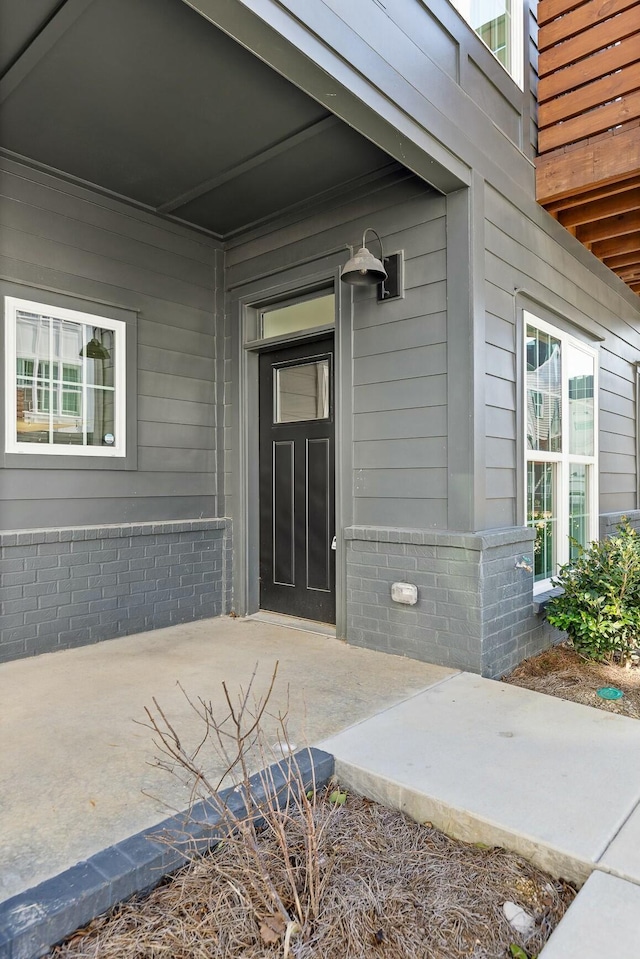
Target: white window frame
[
  {"x": 564, "y": 458},
  {"x": 12, "y": 305},
  {"x": 515, "y": 37}
]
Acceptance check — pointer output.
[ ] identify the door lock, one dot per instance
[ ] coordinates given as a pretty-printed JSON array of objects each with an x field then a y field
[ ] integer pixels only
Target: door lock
[{"x": 334, "y": 544}]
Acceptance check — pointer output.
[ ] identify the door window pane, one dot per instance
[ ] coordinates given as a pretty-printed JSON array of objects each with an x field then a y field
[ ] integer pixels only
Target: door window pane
[
  {"x": 301, "y": 392},
  {"x": 304, "y": 315},
  {"x": 544, "y": 391}
]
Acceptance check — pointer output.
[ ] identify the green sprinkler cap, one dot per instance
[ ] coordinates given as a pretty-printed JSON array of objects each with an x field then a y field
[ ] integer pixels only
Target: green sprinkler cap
[{"x": 610, "y": 692}]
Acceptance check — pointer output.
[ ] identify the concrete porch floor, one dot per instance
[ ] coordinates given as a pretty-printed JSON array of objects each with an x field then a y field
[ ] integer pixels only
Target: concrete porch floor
[{"x": 77, "y": 770}]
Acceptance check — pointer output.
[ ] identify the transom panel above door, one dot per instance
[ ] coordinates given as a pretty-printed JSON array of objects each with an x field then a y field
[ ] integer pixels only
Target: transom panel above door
[{"x": 297, "y": 501}]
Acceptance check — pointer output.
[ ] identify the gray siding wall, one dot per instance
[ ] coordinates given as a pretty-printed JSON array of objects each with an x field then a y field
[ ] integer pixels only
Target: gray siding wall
[
  {"x": 63, "y": 240},
  {"x": 400, "y": 380},
  {"x": 435, "y": 98},
  {"x": 398, "y": 364},
  {"x": 526, "y": 267}
]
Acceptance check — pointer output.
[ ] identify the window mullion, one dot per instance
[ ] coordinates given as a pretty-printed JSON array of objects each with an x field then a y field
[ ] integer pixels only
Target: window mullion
[
  {"x": 84, "y": 386},
  {"x": 564, "y": 470},
  {"x": 50, "y": 380},
  {"x": 543, "y": 456}
]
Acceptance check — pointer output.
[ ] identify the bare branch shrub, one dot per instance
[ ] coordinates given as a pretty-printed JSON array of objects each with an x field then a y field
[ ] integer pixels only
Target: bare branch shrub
[
  {"x": 274, "y": 819},
  {"x": 300, "y": 872}
]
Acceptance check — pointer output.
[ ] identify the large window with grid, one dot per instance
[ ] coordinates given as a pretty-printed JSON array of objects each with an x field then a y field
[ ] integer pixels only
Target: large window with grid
[
  {"x": 65, "y": 381},
  {"x": 561, "y": 445}
]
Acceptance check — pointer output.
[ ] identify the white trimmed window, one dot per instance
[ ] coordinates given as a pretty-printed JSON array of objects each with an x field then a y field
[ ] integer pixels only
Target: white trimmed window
[
  {"x": 65, "y": 381},
  {"x": 499, "y": 25},
  {"x": 561, "y": 429}
]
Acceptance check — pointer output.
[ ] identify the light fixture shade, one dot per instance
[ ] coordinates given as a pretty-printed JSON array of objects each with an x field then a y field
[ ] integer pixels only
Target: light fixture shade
[
  {"x": 94, "y": 350},
  {"x": 363, "y": 269}
]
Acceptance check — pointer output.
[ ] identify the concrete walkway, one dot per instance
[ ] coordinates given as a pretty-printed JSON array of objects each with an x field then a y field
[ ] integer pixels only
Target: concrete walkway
[
  {"x": 556, "y": 781},
  {"x": 552, "y": 780}
]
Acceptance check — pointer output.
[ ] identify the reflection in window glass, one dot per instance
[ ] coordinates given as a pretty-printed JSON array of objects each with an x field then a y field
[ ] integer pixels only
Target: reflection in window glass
[
  {"x": 301, "y": 392},
  {"x": 542, "y": 517},
  {"x": 579, "y": 516},
  {"x": 581, "y": 432},
  {"x": 498, "y": 24},
  {"x": 65, "y": 381},
  {"x": 544, "y": 391},
  {"x": 491, "y": 19}
]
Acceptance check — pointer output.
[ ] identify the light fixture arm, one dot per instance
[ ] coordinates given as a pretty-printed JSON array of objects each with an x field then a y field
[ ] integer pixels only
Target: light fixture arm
[{"x": 364, "y": 237}]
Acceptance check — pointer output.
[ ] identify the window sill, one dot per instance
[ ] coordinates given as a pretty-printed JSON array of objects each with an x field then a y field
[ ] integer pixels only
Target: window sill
[
  {"x": 540, "y": 600},
  {"x": 67, "y": 461}
]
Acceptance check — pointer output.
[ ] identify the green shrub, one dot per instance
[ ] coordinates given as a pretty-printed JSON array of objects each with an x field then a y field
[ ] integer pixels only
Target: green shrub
[{"x": 600, "y": 605}]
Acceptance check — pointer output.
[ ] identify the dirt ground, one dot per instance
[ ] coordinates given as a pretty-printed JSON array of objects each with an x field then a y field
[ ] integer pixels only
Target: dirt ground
[
  {"x": 389, "y": 888},
  {"x": 562, "y": 672}
]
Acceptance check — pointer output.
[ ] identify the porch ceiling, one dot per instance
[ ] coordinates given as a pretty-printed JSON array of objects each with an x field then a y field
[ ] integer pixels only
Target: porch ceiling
[{"x": 147, "y": 100}]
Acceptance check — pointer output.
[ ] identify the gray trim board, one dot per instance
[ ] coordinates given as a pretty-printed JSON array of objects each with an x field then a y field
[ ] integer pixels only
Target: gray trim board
[
  {"x": 465, "y": 373},
  {"x": 66, "y": 14},
  {"x": 316, "y": 129}
]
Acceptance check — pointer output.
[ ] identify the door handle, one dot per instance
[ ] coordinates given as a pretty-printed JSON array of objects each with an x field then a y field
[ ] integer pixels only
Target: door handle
[{"x": 334, "y": 544}]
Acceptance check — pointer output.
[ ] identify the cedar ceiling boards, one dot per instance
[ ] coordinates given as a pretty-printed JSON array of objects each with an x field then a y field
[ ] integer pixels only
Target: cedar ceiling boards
[{"x": 588, "y": 168}]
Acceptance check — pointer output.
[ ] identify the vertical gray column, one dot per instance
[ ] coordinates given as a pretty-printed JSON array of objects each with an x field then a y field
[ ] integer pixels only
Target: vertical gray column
[{"x": 465, "y": 357}]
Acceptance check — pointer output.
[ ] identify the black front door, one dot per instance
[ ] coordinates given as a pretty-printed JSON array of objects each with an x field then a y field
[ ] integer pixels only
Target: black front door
[{"x": 297, "y": 517}]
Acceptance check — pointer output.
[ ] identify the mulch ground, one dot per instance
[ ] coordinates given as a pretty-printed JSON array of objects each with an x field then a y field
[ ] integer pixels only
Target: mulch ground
[
  {"x": 562, "y": 672},
  {"x": 390, "y": 888}
]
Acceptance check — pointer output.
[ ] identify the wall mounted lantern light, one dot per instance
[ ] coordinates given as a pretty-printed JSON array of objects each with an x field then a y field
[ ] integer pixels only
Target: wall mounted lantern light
[{"x": 364, "y": 269}]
